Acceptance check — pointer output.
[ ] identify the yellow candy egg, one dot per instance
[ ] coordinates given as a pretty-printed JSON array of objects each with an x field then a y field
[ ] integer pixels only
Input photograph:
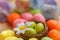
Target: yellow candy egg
[
  {"x": 7, "y": 33},
  {"x": 11, "y": 38},
  {"x": 33, "y": 39},
  {"x": 1, "y": 38}
]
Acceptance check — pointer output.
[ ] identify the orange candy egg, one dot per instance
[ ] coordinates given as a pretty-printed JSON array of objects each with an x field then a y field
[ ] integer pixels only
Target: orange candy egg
[
  {"x": 52, "y": 24},
  {"x": 53, "y": 33},
  {"x": 12, "y": 17},
  {"x": 58, "y": 27},
  {"x": 57, "y": 37}
]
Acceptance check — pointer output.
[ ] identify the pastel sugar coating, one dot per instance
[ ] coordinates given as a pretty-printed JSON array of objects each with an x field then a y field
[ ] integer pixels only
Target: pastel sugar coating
[
  {"x": 11, "y": 38},
  {"x": 39, "y": 18},
  {"x": 46, "y": 38},
  {"x": 40, "y": 27},
  {"x": 27, "y": 16},
  {"x": 7, "y": 33},
  {"x": 30, "y": 31},
  {"x": 18, "y": 21},
  {"x": 33, "y": 39},
  {"x": 31, "y": 24}
]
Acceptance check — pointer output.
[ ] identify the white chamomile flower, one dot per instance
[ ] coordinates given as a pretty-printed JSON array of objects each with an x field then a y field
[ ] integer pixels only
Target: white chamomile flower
[
  {"x": 20, "y": 24},
  {"x": 28, "y": 24},
  {"x": 20, "y": 29}
]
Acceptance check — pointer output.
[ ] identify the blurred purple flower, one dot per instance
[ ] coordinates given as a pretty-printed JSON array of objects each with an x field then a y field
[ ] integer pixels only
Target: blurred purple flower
[
  {"x": 4, "y": 11},
  {"x": 51, "y": 2}
]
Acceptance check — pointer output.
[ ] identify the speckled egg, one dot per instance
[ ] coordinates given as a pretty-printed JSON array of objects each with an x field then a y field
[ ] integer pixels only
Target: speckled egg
[{"x": 27, "y": 16}]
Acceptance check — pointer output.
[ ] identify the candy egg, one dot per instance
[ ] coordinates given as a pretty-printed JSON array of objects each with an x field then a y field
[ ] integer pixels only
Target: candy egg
[
  {"x": 12, "y": 17},
  {"x": 40, "y": 27},
  {"x": 31, "y": 31},
  {"x": 52, "y": 24},
  {"x": 20, "y": 39},
  {"x": 53, "y": 33},
  {"x": 34, "y": 11},
  {"x": 46, "y": 38},
  {"x": 11, "y": 38},
  {"x": 39, "y": 18},
  {"x": 27, "y": 16},
  {"x": 18, "y": 21},
  {"x": 31, "y": 24},
  {"x": 58, "y": 27},
  {"x": 33, "y": 39},
  {"x": 57, "y": 36},
  {"x": 7, "y": 33},
  {"x": 1, "y": 38}
]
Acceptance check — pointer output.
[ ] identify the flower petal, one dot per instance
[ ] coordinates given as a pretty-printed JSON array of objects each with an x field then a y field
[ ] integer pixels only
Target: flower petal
[
  {"x": 27, "y": 28},
  {"x": 27, "y": 24},
  {"x": 18, "y": 32},
  {"x": 20, "y": 24},
  {"x": 15, "y": 29},
  {"x": 23, "y": 31}
]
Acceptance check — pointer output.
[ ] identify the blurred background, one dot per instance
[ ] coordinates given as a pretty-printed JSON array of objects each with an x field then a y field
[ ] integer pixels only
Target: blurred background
[
  {"x": 58, "y": 2},
  {"x": 58, "y": 12}
]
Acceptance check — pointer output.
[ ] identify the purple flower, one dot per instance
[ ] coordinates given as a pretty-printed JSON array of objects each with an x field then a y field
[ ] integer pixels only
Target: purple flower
[
  {"x": 51, "y": 2},
  {"x": 4, "y": 11},
  {"x": 4, "y": 6}
]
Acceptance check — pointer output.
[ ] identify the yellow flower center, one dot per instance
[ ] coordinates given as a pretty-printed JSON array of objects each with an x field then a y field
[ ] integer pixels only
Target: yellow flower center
[{"x": 22, "y": 28}]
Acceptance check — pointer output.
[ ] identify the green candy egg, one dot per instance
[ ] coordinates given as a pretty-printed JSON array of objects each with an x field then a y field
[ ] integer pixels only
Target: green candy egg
[
  {"x": 34, "y": 11},
  {"x": 31, "y": 24},
  {"x": 20, "y": 39},
  {"x": 18, "y": 11},
  {"x": 46, "y": 38},
  {"x": 30, "y": 31},
  {"x": 33, "y": 39},
  {"x": 40, "y": 27}
]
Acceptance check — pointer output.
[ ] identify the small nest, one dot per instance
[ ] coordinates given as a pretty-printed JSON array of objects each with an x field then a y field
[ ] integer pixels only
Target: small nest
[{"x": 39, "y": 35}]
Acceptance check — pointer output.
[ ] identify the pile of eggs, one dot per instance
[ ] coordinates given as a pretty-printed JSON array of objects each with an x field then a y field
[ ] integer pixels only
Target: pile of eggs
[
  {"x": 27, "y": 22},
  {"x": 10, "y": 35},
  {"x": 54, "y": 29},
  {"x": 30, "y": 23}
]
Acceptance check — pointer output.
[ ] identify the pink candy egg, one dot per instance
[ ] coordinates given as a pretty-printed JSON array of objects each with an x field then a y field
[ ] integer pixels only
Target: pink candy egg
[
  {"x": 18, "y": 21},
  {"x": 39, "y": 18},
  {"x": 27, "y": 16}
]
